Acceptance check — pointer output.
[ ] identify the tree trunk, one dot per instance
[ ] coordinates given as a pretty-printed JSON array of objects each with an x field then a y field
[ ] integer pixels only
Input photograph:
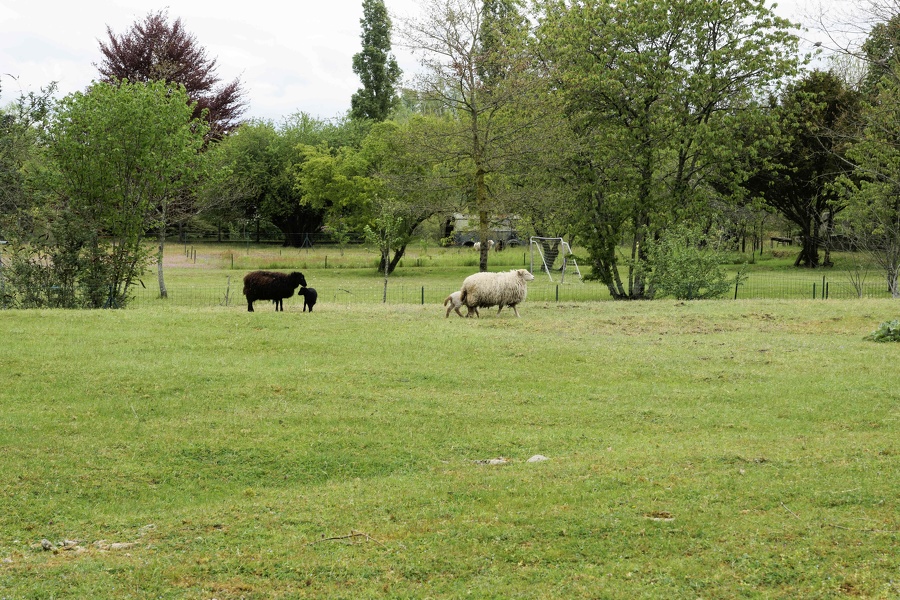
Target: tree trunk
[
  {"x": 161, "y": 235},
  {"x": 384, "y": 259},
  {"x": 809, "y": 252},
  {"x": 447, "y": 227}
]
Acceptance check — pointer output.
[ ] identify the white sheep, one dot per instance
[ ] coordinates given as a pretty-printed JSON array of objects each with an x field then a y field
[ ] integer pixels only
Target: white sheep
[
  {"x": 454, "y": 302},
  {"x": 477, "y": 245},
  {"x": 508, "y": 288}
]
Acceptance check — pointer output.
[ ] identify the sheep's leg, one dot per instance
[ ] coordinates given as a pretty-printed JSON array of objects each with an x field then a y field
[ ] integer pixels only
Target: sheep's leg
[
  {"x": 515, "y": 310},
  {"x": 249, "y": 305}
]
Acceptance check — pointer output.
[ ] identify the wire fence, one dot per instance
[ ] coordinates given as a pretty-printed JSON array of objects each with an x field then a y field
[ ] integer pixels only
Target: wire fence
[
  {"x": 756, "y": 286},
  {"x": 783, "y": 287}
]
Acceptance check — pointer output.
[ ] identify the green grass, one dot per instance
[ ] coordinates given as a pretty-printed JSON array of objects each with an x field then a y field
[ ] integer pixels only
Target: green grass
[
  {"x": 204, "y": 275},
  {"x": 741, "y": 449}
]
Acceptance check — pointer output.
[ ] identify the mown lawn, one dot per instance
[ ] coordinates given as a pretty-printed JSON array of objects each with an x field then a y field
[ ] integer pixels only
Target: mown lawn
[{"x": 731, "y": 449}]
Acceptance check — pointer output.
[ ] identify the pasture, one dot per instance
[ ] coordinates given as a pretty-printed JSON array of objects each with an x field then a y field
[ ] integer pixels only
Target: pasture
[
  {"x": 210, "y": 275},
  {"x": 720, "y": 449}
]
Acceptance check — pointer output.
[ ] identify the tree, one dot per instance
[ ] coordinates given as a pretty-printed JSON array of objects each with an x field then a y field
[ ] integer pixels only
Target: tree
[
  {"x": 872, "y": 218},
  {"x": 156, "y": 50},
  {"x": 376, "y": 66},
  {"x": 660, "y": 94},
  {"x": 21, "y": 124},
  {"x": 384, "y": 234},
  {"x": 817, "y": 115},
  {"x": 477, "y": 68},
  {"x": 881, "y": 50},
  {"x": 263, "y": 158},
  {"x": 389, "y": 170},
  {"x": 118, "y": 153}
]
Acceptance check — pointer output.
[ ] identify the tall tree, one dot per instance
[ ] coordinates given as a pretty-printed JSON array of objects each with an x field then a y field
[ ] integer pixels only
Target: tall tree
[
  {"x": 21, "y": 122},
  {"x": 375, "y": 65},
  {"x": 477, "y": 67},
  {"x": 659, "y": 93},
  {"x": 118, "y": 153},
  {"x": 390, "y": 173},
  {"x": 156, "y": 49},
  {"x": 818, "y": 116},
  {"x": 872, "y": 218}
]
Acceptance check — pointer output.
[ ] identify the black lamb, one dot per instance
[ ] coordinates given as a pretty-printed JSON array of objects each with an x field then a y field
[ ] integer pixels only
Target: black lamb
[
  {"x": 309, "y": 297},
  {"x": 268, "y": 285}
]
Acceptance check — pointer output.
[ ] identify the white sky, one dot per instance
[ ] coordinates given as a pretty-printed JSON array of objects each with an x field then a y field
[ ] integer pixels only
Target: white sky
[{"x": 290, "y": 56}]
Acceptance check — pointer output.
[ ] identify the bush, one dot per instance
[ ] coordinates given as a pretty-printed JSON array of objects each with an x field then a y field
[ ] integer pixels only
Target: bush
[
  {"x": 686, "y": 264},
  {"x": 889, "y": 331}
]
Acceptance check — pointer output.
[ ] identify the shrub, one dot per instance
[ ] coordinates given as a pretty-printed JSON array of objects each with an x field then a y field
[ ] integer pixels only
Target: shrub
[
  {"x": 889, "y": 331},
  {"x": 686, "y": 264}
]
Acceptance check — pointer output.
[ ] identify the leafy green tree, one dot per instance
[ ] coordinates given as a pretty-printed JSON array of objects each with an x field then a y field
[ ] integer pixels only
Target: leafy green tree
[
  {"x": 400, "y": 159},
  {"x": 155, "y": 49},
  {"x": 390, "y": 169},
  {"x": 872, "y": 217},
  {"x": 881, "y": 51},
  {"x": 118, "y": 152},
  {"x": 817, "y": 115},
  {"x": 660, "y": 95},
  {"x": 375, "y": 65},
  {"x": 263, "y": 157},
  {"x": 21, "y": 125},
  {"x": 384, "y": 234},
  {"x": 478, "y": 70}
]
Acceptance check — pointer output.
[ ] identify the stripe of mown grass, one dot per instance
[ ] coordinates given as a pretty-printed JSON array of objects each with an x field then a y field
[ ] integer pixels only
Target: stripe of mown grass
[{"x": 714, "y": 449}]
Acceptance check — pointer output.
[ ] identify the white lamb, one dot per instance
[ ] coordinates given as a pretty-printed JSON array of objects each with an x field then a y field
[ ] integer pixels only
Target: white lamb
[
  {"x": 453, "y": 302},
  {"x": 491, "y": 289},
  {"x": 477, "y": 245}
]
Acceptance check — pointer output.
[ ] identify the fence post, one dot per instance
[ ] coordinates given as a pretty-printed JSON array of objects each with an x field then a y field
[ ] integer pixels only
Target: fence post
[
  {"x": 823, "y": 287},
  {"x": 557, "y": 292},
  {"x": 423, "y": 295},
  {"x": 814, "y": 290}
]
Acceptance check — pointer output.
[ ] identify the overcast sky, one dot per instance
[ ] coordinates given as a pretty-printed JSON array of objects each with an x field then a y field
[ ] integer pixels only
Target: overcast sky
[{"x": 290, "y": 56}]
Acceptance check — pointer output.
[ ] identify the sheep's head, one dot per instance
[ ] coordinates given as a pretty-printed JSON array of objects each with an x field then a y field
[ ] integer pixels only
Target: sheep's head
[
  {"x": 297, "y": 278},
  {"x": 525, "y": 274}
]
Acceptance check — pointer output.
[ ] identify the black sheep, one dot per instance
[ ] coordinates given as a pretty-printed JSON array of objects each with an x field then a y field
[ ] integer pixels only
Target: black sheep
[
  {"x": 268, "y": 285},
  {"x": 309, "y": 297}
]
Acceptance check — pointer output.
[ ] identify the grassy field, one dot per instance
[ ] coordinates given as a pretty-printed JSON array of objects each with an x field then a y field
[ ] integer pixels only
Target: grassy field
[
  {"x": 729, "y": 449},
  {"x": 210, "y": 275}
]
